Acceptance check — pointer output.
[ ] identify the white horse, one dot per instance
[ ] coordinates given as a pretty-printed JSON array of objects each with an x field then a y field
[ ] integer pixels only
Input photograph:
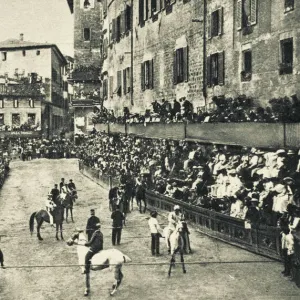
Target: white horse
[
  {"x": 176, "y": 243},
  {"x": 110, "y": 258}
]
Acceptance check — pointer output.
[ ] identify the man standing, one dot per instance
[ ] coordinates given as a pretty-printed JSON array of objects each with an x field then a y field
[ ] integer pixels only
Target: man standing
[
  {"x": 117, "y": 217},
  {"x": 62, "y": 183},
  {"x": 95, "y": 244},
  {"x": 155, "y": 235},
  {"x": 54, "y": 192},
  {"x": 91, "y": 224}
]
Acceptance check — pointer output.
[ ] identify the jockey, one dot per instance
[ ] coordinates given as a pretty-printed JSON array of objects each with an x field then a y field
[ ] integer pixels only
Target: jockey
[
  {"x": 71, "y": 185},
  {"x": 173, "y": 219},
  {"x": 64, "y": 191},
  {"x": 49, "y": 207},
  {"x": 95, "y": 244}
]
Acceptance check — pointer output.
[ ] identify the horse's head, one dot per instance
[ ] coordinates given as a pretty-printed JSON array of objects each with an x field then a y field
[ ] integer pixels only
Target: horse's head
[{"x": 74, "y": 237}]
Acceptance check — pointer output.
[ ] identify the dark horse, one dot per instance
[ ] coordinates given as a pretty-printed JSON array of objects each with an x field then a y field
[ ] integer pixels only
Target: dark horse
[
  {"x": 42, "y": 215},
  {"x": 140, "y": 195},
  {"x": 68, "y": 204}
]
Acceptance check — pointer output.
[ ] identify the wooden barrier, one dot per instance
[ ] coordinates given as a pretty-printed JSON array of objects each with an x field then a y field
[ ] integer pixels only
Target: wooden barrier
[
  {"x": 116, "y": 128},
  {"x": 102, "y": 127},
  {"x": 175, "y": 131},
  {"x": 261, "y": 135}
]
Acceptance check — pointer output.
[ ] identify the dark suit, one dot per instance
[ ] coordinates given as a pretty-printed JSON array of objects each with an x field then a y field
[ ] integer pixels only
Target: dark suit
[
  {"x": 118, "y": 218},
  {"x": 91, "y": 226}
]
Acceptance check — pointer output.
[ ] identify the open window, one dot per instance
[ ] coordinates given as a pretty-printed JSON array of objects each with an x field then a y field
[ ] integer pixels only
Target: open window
[
  {"x": 246, "y": 73},
  {"x": 287, "y": 53}
]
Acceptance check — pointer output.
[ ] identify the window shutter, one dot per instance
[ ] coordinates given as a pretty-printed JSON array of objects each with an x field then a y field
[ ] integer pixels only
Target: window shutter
[
  {"x": 253, "y": 14},
  {"x": 208, "y": 71},
  {"x": 142, "y": 76},
  {"x": 141, "y": 11},
  {"x": 175, "y": 68},
  {"x": 158, "y": 6},
  {"x": 111, "y": 86},
  {"x": 105, "y": 8},
  {"x": 124, "y": 82},
  {"x": 113, "y": 35},
  {"x": 209, "y": 26},
  {"x": 220, "y": 29},
  {"x": 128, "y": 18},
  {"x": 239, "y": 13},
  {"x": 122, "y": 22},
  {"x": 221, "y": 68},
  {"x": 162, "y": 4},
  {"x": 151, "y": 74},
  {"x": 185, "y": 64},
  {"x": 119, "y": 82},
  {"x": 145, "y": 14}
]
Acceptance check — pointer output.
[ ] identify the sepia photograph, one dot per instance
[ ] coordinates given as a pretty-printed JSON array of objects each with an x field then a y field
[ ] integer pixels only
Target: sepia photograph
[{"x": 150, "y": 149}]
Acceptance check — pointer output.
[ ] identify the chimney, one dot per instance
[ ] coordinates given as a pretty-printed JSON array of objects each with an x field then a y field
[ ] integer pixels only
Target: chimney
[{"x": 21, "y": 37}]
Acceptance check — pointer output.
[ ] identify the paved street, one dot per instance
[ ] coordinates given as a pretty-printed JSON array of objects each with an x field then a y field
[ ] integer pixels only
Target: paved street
[{"x": 25, "y": 191}]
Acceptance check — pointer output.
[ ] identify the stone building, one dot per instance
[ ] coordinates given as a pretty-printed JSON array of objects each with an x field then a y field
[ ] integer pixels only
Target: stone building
[
  {"x": 164, "y": 55},
  {"x": 35, "y": 71},
  {"x": 198, "y": 50},
  {"x": 85, "y": 77},
  {"x": 252, "y": 49}
]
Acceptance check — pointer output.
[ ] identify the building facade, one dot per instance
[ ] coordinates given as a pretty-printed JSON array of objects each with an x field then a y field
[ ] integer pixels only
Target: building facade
[
  {"x": 85, "y": 77},
  {"x": 171, "y": 49},
  {"x": 34, "y": 71}
]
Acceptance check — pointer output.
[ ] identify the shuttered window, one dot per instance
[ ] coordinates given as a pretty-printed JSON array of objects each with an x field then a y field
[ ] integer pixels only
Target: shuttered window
[
  {"x": 239, "y": 13},
  {"x": 215, "y": 23},
  {"x": 126, "y": 80},
  {"x": 141, "y": 12},
  {"x": 119, "y": 83},
  {"x": 180, "y": 65},
  {"x": 215, "y": 69},
  {"x": 246, "y": 13},
  {"x": 122, "y": 22},
  {"x": 147, "y": 75},
  {"x": 253, "y": 13},
  {"x": 128, "y": 18}
]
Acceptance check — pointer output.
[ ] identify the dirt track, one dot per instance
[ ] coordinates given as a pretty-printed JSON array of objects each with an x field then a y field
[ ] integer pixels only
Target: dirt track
[{"x": 24, "y": 192}]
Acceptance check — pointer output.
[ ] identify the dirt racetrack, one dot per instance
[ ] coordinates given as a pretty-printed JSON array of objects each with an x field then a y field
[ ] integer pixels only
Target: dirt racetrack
[{"x": 25, "y": 191}]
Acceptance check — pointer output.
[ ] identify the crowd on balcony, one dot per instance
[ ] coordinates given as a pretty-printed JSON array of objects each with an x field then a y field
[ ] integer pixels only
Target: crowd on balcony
[
  {"x": 27, "y": 126},
  {"x": 259, "y": 186},
  {"x": 240, "y": 109}
]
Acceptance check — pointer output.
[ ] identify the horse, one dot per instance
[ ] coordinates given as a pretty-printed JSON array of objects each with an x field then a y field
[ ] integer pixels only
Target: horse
[
  {"x": 68, "y": 203},
  {"x": 110, "y": 258},
  {"x": 140, "y": 195},
  {"x": 176, "y": 241},
  {"x": 42, "y": 215}
]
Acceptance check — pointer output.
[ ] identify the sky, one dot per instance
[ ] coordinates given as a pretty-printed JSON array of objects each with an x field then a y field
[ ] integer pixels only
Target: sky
[{"x": 39, "y": 20}]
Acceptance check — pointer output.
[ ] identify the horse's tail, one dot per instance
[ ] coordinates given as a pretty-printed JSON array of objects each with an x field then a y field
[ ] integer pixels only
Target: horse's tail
[
  {"x": 126, "y": 258},
  {"x": 31, "y": 223}
]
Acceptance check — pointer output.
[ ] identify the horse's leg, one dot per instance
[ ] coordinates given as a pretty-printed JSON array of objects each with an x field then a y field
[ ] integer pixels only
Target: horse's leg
[
  {"x": 118, "y": 278},
  {"x": 71, "y": 211},
  {"x": 145, "y": 204},
  {"x": 87, "y": 284},
  {"x": 172, "y": 264},
  {"x": 39, "y": 224},
  {"x": 56, "y": 231},
  {"x": 61, "y": 231},
  {"x": 67, "y": 209},
  {"x": 182, "y": 261}
]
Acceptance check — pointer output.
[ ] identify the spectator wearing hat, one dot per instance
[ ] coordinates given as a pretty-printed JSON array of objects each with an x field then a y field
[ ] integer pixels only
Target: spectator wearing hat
[
  {"x": 234, "y": 183},
  {"x": 287, "y": 245},
  {"x": 155, "y": 233},
  {"x": 253, "y": 213},
  {"x": 280, "y": 202},
  {"x": 91, "y": 224},
  {"x": 118, "y": 217}
]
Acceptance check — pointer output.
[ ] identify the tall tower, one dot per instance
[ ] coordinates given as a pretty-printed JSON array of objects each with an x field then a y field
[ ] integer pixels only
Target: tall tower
[{"x": 87, "y": 32}]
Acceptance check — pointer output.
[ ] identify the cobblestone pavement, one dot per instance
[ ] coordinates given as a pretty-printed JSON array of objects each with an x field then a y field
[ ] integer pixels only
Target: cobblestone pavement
[{"x": 24, "y": 192}]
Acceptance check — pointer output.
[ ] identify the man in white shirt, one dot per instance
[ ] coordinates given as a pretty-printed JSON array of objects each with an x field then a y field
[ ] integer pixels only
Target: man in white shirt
[
  {"x": 49, "y": 207},
  {"x": 155, "y": 233}
]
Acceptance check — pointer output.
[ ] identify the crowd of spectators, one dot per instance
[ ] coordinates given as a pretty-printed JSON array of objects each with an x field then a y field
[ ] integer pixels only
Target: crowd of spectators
[
  {"x": 256, "y": 185},
  {"x": 28, "y": 149},
  {"x": 240, "y": 109}
]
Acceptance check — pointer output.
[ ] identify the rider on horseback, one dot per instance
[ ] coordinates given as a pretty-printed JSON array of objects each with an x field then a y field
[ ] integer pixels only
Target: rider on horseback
[
  {"x": 64, "y": 191},
  {"x": 49, "y": 207},
  {"x": 95, "y": 244},
  {"x": 173, "y": 219}
]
